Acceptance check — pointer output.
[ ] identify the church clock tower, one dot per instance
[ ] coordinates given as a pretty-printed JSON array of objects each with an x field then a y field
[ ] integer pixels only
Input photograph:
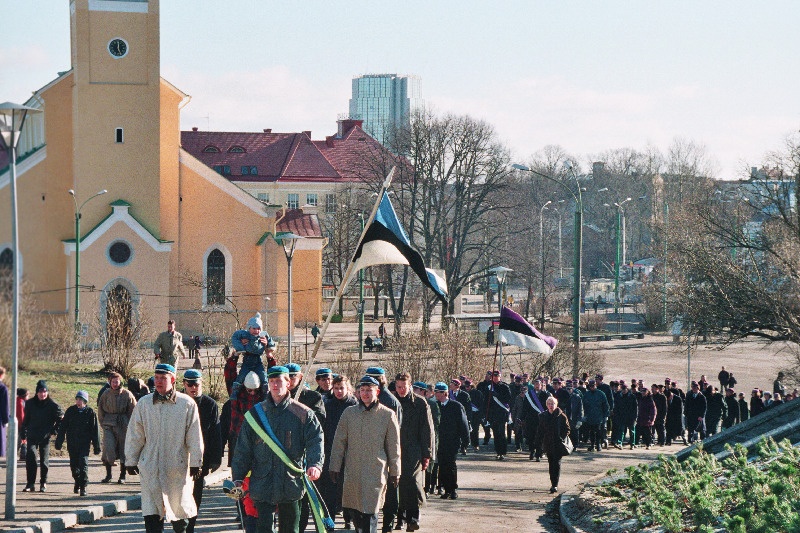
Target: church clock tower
[{"x": 116, "y": 106}]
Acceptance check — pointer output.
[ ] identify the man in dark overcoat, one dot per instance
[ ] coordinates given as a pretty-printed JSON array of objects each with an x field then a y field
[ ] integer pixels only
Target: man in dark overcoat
[{"x": 416, "y": 441}]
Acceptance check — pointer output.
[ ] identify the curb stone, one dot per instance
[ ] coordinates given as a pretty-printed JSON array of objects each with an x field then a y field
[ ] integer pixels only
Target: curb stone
[{"x": 91, "y": 514}]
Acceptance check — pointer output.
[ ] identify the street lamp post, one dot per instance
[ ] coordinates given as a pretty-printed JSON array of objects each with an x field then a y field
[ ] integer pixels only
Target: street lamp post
[
  {"x": 541, "y": 245},
  {"x": 12, "y": 118},
  {"x": 289, "y": 242},
  {"x": 500, "y": 273},
  {"x": 666, "y": 235},
  {"x": 620, "y": 252},
  {"x": 78, "y": 254},
  {"x": 577, "y": 262},
  {"x": 360, "y": 309}
]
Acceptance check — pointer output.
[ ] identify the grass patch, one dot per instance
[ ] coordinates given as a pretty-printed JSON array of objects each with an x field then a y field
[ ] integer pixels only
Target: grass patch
[{"x": 63, "y": 380}]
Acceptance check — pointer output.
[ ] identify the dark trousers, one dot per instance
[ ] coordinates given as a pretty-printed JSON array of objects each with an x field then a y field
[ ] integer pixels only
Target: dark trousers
[
  {"x": 621, "y": 429},
  {"x": 645, "y": 434},
  {"x": 364, "y": 523},
  {"x": 155, "y": 524},
  {"x": 530, "y": 437},
  {"x": 500, "y": 441},
  {"x": 38, "y": 456},
  {"x": 79, "y": 466},
  {"x": 487, "y": 433},
  {"x": 473, "y": 433},
  {"x": 660, "y": 434},
  {"x": 554, "y": 466},
  {"x": 288, "y": 517},
  {"x": 432, "y": 477},
  {"x": 448, "y": 474},
  {"x": 390, "y": 506},
  {"x": 197, "y": 493},
  {"x": 595, "y": 434}
]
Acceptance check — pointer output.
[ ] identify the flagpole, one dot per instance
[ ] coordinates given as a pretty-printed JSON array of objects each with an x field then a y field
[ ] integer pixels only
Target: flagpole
[{"x": 348, "y": 274}]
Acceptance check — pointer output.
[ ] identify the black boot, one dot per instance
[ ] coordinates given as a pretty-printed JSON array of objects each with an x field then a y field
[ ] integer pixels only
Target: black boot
[
  {"x": 121, "y": 479},
  {"x": 108, "y": 475}
]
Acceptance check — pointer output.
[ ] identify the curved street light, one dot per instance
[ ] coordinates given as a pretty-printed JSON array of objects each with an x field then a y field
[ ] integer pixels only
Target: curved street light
[
  {"x": 71, "y": 192},
  {"x": 577, "y": 262}
]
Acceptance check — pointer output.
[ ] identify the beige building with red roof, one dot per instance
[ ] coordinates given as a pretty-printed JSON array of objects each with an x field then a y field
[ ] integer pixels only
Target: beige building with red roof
[{"x": 172, "y": 235}]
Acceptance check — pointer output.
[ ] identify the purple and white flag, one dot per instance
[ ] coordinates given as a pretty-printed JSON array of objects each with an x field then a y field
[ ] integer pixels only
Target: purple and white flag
[{"x": 517, "y": 331}]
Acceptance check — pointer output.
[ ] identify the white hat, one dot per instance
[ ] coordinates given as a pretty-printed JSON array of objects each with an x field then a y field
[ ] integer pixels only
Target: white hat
[{"x": 251, "y": 380}]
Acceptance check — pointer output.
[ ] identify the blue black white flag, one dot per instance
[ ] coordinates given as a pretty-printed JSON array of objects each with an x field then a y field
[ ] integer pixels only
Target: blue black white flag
[
  {"x": 385, "y": 243},
  {"x": 517, "y": 331}
]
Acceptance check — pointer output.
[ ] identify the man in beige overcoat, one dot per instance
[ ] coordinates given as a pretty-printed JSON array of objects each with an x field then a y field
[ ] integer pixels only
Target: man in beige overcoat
[
  {"x": 165, "y": 443},
  {"x": 367, "y": 444},
  {"x": 114, "y": 408}
]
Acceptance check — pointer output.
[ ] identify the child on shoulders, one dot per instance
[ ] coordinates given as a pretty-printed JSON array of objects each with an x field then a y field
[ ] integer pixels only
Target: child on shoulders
[{"x": 253, "y": 343}]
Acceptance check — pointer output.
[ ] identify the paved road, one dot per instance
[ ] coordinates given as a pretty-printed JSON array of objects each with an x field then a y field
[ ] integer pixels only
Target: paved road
[{"x": 511, "y": 495}]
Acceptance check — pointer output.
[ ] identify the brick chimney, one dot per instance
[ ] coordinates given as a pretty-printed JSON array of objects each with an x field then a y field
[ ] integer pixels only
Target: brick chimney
[
  {"x": 329, "y": 141},
  {"x": 267, "y": 130},
  {"x": 194, "y": 128},
  {"x": 347, "y": 124}
]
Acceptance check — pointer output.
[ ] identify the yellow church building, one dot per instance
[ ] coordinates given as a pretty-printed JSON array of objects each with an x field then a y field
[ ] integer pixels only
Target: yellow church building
[{"x": 171, "y": 234}]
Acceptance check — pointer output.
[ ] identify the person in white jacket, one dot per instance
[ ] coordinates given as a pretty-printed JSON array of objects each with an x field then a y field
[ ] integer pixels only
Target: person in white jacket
[{"x": 165, "y": 444}]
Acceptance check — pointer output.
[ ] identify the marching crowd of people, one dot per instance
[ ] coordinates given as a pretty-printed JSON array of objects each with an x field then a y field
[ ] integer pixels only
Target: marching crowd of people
[{"x": 373, "y": 445}]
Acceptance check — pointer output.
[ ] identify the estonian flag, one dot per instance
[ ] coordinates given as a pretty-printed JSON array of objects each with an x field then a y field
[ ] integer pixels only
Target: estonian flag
[
  {"x": 385, "y": 243},
  {"x": 517, "y": 331}
]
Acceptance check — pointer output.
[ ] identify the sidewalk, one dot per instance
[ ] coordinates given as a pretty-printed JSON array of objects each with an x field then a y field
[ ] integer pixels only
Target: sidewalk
[{"x": 510, "y": 495}]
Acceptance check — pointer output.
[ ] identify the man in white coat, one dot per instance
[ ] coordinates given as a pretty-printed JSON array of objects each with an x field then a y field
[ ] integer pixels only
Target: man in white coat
[{"x": 165, "y": 444}]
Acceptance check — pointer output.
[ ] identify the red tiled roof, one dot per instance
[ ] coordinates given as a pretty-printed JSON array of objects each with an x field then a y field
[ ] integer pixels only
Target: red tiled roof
[
  {"x": 288, "y": 157},
  {"x": 299, "y": 223}
]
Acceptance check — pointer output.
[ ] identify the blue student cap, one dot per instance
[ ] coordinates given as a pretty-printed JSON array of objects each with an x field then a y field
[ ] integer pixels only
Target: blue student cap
[
  {"x": 293, "y": 368},
  {"x": 164, "y": 368},
  {"x": 323, "y": 372},
  {"x": 368, "y": 380},
  {"x": 441, "y": 386},
  {"x": 192, "y": 375},
  {"x": 420, "y": 385},
  {"x": 276, "y": 371},
  {"x": 376, "y": 371}
]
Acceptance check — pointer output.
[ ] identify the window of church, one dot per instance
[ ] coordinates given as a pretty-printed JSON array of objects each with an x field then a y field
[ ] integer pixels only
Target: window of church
[
  {"x": 120, "y": 253},
  {"x": 215, "y": 278},
  {"x": 210, "y": 150},
  {"x": 236, "y": 150}
]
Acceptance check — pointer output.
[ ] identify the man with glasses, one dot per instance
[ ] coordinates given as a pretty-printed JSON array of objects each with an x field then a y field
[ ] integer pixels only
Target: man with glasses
[{"x": 209, "y": 426}]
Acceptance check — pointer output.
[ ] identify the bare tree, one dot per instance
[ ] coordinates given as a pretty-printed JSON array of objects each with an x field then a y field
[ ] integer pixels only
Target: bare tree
[{"x": 122, "y": 330}]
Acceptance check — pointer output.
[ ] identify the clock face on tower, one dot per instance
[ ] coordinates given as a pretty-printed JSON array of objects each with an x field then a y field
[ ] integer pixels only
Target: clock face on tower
[{"x": 117, "y": 48}]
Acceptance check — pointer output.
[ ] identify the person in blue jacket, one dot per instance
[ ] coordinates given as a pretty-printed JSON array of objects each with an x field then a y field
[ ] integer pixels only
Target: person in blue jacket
[{"x": 252, "y": 342}]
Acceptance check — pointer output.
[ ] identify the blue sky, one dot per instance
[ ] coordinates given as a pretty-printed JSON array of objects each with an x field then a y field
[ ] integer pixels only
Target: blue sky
[{"x": 589, "y": 76}]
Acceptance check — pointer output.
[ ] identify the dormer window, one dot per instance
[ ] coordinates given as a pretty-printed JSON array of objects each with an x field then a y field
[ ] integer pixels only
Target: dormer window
[
  {"x": 236, "y": 150},
  {"x": 210, "y": 149},
  {"x": 248, "y": 170},
  {"x": 223, "y": 169}
]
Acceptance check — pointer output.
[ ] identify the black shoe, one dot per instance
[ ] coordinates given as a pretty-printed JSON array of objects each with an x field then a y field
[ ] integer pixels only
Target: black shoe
[
  {"x": 75, "y": 488},
  {"x": 399, "y": 525},
  {"x": 83, "y": 491},
  {"x": 106, "y": 479},
  {"x": 538, "y": 459},
  {"x": 530, "y": 457},
  {"x": 553, "y": 489},
  {"x": 444, "y": 496},
  {"x": 413, "y": 525},
  {"x": 454, "y": 495},
  {"x": 439, "y": 491},
  {"x": 121, "y": 480},
  {"x": 43, "y": 487},
  {"x": 29, "y": 488}
]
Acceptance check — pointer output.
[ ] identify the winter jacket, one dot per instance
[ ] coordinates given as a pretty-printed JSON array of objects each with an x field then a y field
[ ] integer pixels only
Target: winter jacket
[
  {"x": 300, "y": 433},
  {"x": 576, "y": 409},
  {"x": 717, "y": 409},
  {"x": 210, "y": 429},
  {"x": 254, "y": 346},
  {"x": 80, "y": 429},
  {"x": 453, "y": 429},
  {"x": 311, "y": 399},
  {"x": 416, "y": 444},
  {"x": 498, "y": 412},
  {"x": 164, "y": 440},
  {"x": 733, "y": 415},
  {"x": 661, "y": 407},
  {"x": 42, "y": 418},
  {"x": 744, "y": 410},
  {"x": 674, "y": 422},
  {"x": 114, "y": 408},
  {"x": 626, "y": 409},
  {"x": 646, "y": 407},
  {"x": 695, "y": 408},
  {"x": 595, "y": 407},
  {"x": 367, "y": 447},
  {"x": 553, "y": 429},
  {"x": 167, "y": 345}
]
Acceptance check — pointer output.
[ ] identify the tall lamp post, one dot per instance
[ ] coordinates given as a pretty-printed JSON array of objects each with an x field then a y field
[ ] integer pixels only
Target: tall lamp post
[
  {"x": 12, "y": 118},
  {"x": 620, "y": 248},
  {"x": 541, "y": 245},
  {"x": 361, "y": 301},
  {"x": 577, "y": 263},
  {"x": 500, "y": 273},
  {"x": 289, "y": 242},
  {"x": 78, "y": 255}
]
